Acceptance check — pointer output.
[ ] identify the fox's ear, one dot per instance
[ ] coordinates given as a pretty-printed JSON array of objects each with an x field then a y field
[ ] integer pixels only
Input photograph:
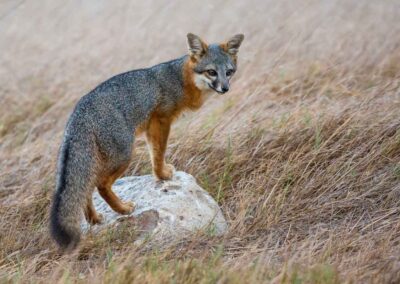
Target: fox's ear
[
  {"x": 197, "y": 47},
  {"x": 233, "y": 44}
]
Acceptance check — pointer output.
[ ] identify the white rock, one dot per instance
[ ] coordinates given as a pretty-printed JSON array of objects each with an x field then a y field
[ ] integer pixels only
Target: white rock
[{"x": 168, "y": 210}]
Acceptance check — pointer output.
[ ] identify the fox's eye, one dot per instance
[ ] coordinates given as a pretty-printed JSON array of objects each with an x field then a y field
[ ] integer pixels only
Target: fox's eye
[
  {"x": 212, "y": 72},
  {"x": 229, "y": 72}
]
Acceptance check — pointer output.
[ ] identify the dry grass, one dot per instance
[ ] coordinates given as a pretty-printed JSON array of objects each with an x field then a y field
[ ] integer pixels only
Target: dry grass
[{"x": 303, "y": 154}]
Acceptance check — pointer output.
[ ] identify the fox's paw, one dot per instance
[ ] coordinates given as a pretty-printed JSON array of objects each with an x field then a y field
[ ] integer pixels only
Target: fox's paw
[
  {"x": 97, "y": 219},
  {"x": 127, "y": 207},
  {"x": 170, "y": 168},
  {"x": 166, "y": 173}
]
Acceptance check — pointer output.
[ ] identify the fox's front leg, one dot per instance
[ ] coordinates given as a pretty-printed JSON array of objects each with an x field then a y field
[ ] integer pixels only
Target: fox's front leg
[{"x": 157, "y": 137}]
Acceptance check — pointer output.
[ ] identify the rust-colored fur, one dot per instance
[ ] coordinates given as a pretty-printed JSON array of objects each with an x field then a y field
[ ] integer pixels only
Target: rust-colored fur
[{"x": 193, "y": 98}]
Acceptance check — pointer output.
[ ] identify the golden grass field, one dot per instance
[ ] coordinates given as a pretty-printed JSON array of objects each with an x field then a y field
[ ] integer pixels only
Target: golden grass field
[{"x": 303, "y": 154}]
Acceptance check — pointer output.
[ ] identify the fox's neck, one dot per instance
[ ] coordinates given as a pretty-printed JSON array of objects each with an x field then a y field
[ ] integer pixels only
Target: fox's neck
[
  {"x": 179, "y": 90},
  {"x": 194, "y": 94}
]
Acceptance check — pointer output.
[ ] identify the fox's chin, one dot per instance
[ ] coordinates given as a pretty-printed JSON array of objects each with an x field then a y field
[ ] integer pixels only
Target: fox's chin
[{"x": 214, "y": 89}]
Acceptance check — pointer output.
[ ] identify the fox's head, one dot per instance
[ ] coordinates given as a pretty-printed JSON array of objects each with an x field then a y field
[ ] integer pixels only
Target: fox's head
[{"x": 215, "y": 64}]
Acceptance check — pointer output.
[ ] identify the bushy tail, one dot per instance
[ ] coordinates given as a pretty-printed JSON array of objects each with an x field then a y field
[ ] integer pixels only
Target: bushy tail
[{"x": 72, "y": 189}]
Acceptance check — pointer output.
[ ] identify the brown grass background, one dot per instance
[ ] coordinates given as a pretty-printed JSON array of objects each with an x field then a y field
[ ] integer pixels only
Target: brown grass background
[{"x": 303, "y": 154}]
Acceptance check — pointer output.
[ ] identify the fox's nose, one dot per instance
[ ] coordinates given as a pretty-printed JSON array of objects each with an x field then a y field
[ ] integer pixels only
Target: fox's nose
[{"x": 224, "y": 89}]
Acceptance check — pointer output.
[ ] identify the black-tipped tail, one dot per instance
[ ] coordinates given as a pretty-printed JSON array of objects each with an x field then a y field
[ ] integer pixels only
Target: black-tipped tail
[
  {"x": 68, "y": 199},
  {"x": 67, "y": 237}
]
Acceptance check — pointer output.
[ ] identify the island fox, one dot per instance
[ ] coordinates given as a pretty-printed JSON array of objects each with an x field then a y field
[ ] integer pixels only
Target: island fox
[{"x": 98, "y": 138}]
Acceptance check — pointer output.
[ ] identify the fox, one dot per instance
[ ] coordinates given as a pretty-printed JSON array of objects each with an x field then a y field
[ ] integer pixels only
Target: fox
[{"x": 98, "y": 139}]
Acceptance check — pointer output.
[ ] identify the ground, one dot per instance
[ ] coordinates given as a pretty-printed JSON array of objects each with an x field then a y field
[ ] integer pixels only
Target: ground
[{"x": 303, "y": 154}]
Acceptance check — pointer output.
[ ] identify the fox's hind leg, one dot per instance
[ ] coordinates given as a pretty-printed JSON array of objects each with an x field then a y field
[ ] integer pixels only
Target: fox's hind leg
[
  {"x": 92, "y": 217},
  {"x": 115, "y": 147},
  {"x": 105, "y": 190}
]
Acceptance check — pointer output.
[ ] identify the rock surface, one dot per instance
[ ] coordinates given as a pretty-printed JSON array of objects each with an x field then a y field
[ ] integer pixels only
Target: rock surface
[{"x": 167, "y": 210}]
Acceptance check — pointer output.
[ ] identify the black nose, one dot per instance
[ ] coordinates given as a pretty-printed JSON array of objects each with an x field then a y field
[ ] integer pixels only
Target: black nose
[{"x": 224, "y": 89}]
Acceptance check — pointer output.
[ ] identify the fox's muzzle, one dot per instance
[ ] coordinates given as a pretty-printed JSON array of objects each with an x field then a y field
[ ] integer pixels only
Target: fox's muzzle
[
  {"x": 220, "y": 86},
  {"x": 225, "y": 88}
]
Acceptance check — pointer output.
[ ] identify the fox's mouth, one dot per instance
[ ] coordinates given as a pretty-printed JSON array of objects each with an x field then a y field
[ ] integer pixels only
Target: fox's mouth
[{"x": 219, "y": 92}]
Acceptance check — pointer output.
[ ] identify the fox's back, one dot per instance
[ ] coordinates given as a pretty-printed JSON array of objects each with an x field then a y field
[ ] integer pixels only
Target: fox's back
[{"x": 130, "y": 96}]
